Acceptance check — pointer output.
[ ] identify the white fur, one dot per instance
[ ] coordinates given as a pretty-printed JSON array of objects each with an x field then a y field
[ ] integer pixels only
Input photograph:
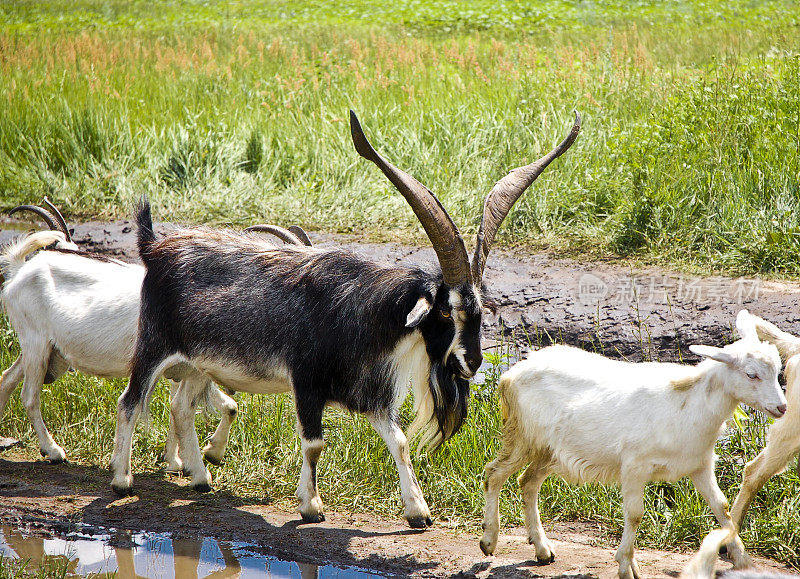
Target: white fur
[
  {"x": 76, "y": 311},
  {"x": 783, "y": 439},
  {"x": 588, "y": 418}
]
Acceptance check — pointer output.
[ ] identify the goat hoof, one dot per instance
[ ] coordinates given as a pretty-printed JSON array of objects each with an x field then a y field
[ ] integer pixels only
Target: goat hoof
[
  {"x": 122, "y": 491},
  {"x": 312, "y": 517},
  {"x": 486, "y": 548},
  {"x": 420, "y": 522},
  {"x": 202, "y": 488},
  {"x": 57, "y": 460},
  {"x": 212, "y": 459}
]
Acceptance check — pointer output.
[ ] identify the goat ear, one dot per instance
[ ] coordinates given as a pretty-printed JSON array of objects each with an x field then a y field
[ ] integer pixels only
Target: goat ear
[
  {"x": 421, "y": 309},
  {"x": 746, "y": 325},
  {"x": 713, "y": 353}
]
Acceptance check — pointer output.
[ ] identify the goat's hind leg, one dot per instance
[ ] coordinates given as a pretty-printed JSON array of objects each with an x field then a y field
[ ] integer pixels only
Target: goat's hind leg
[
  {"x": 416, "y": 509},
  {"x": 510, "y": 460},
  {"x": 531, "y": 482},
  {"x": 228, "y": 409},
  {"x": 148, "y": 365},
  {"x": 182, "y": 413},
  {"x": 34, "y": 362},
  {"x": 9, "y": 381},
  {"x": 171, "y": 457},
  {"x": 309, "y": 427}
]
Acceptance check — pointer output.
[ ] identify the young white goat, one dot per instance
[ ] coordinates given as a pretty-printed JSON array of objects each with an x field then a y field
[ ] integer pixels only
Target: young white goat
[
  {"x": 77, "y": 309},
  {"x": 702, "y": 564},
  {"x": 588, "y": 418},
  {"x": 783, "y": 439}
]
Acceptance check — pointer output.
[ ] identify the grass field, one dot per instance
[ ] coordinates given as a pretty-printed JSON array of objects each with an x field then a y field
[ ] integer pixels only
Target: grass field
[
  {"x": 231, "y": 112},
  {"x": 235, "y": 112},
  {"x": 357, "y": 473}
]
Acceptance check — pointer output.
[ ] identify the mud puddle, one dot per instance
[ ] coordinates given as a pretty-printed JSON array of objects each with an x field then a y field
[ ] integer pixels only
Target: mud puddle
[
  {"x": 124, "y": 554},
  {"x": 603, "y": 306}
]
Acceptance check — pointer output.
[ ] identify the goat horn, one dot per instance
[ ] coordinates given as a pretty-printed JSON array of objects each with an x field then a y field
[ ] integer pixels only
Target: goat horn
[
  {"x": 279, "y": 232},
  {"x": 48, "y": 217},
  {"x": 301, "y": 234},
  {"x": 443, "y": 233},
  {"x": 506, "y": 192},
  {"x": 59, "y": 218}
]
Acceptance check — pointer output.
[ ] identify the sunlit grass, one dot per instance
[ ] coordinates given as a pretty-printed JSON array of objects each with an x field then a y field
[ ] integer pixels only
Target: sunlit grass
[
  {"x": 235, "y": 112},
  {"x": 357, "y": 473}
]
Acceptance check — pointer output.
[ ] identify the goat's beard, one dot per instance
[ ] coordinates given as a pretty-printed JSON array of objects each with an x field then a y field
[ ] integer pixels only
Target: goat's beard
[{"x": 450, "y": 397}]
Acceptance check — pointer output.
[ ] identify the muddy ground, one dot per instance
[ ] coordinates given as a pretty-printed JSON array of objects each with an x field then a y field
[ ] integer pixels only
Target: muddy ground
[
  {"x": 44, "y": 498},
  {"x": 604, "y": 306},
  {"x": 600, "y": 305}
]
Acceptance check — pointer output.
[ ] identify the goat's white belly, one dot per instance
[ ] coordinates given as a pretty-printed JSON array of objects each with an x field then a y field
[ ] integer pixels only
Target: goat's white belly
[
  {"x": 109, "y": 359},
  {"x": 237, "y": 378}
]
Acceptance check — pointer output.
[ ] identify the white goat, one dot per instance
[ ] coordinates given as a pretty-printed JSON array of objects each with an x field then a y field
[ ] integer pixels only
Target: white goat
[
  {"x": 702, "y": 564},
  {"x": 588, "y": 418},
  {"x": 783, "y": 439},
  {"x": 80, "y": 310}
]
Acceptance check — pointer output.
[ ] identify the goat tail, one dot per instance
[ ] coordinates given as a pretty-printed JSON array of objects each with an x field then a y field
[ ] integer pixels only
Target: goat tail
[
  {"x": 13, "y": 257},
  {"x": 145, "y": 236},
  {"x": 702, "y": 564},
  {"x": 441, "y": 408},
  {"x": 787, "y": 344}
]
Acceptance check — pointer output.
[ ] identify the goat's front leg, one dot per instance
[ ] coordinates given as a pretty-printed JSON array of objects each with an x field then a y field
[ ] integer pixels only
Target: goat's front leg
[
  {"x": 530, "y": 483},
  {"x": 228, "y": 409},
  {"x": 783, "y": 442},
  {"x": 416, "y": 509},
  {"x": 171, "y": 458},
  {"x": 496, "y": 473},
  {"x": 706, "y": 484},
  {"x": 182, "y": 410},
  {"x": 34, "y": 363},
  {"x": 309, "y": 427},
  {"x": 633, "y": 506}
]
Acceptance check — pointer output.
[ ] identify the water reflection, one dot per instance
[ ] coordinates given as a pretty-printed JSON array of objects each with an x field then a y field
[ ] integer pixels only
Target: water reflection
[{"x": 154, "y": 555}]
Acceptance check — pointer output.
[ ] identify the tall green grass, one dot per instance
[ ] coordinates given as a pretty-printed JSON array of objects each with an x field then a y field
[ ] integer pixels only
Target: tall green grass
[
  {"x": 356, "y": 472},
  {"x": 233, "y": 112}
]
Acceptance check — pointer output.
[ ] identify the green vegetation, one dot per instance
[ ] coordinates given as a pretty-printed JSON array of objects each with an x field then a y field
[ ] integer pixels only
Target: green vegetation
[
  {"x": 356, "y": 472},
  {"x": 234, "y": 112}
]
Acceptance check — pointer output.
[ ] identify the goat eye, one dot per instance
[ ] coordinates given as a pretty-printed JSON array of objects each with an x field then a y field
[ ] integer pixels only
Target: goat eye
[
  {"x": 752, "y": 375},
  {"x": 445, "y": 314}
]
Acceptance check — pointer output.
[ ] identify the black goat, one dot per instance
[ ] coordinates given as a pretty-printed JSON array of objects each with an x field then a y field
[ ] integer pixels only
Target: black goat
[{"x": 325, "y": 324}]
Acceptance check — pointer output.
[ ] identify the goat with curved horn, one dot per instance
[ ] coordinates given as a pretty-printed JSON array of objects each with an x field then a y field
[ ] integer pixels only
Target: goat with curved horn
[
  {"x": 53, "y": 218},
  {"x": 327, "y": 325},
  {"x": 301, "y": 234},
  {"x": 443, "y": 233},
  {"x": 281, "y": 233},
  {"x": 506, "y": 192},
  {"x": 60, "y": 218},
  {"x": 48, "y": 217}
]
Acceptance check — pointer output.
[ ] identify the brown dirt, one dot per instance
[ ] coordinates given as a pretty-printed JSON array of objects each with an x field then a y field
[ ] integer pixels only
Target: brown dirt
[{"x": 53, "y": 498}]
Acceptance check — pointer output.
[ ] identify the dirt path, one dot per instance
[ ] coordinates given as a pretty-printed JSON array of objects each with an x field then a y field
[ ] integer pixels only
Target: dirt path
[
  {"x": 603, "y": 306},
  {"x": 53, "y": 498}
]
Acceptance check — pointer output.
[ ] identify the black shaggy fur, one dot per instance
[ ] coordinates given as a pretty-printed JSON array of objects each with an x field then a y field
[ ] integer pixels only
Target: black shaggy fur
[{"x": 328, "y": 316}]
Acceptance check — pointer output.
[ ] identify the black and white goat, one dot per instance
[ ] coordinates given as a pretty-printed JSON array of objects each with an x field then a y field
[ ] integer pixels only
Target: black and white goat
[
  {"x": 325, "y": 324},
  {"x": 76, "y": 309}
]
